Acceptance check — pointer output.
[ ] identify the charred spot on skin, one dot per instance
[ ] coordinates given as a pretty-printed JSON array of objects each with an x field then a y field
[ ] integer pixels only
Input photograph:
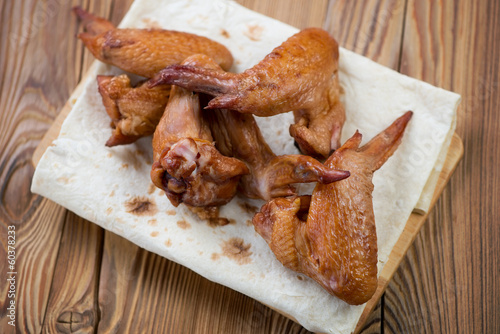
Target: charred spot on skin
[
  {"x": 141, "y": 206},
  {"x": 215, "y": 256},
  {"x": 171, "y": 212},
  {"x": 183, "y": 224},
  {"x": 236, "y": 249},
  {"x": 152, "y": 222},
  {"x": 116, "y": 43},
  {"x": 154, "y": 234},
  {"x": 168, "y": 243}
]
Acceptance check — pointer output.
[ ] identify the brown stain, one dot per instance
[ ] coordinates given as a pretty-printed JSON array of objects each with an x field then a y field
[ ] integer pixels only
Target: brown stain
[
  {"x": 220, "y": 221},
  {"x": 154, "y": 234},
  {"x": 183, "y": 224},
  {"x": 168, "y": 242},
  {"x": 171, "y": 212},
  {"x": 249, "y": 222},
  {"x": 215, "y": 256},
  {"x": 141, "y": 206},
  {"x": 151, "y": 188},
  {"x": 254, "y": 32},
  {"x": 112, "y": 193},
  {"x": 109, "y": 211},
  {"x": 236, "y": 249},
  {"x": 152, "y": 222},
  {"x": 124, "y": 166},
  {"x": 224, "y": 33},
  {"x": 248, "y": 208}
]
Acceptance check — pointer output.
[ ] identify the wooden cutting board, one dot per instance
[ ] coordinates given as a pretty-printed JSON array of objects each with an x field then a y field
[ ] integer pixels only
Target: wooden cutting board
[{"x": 411, "y": 230}]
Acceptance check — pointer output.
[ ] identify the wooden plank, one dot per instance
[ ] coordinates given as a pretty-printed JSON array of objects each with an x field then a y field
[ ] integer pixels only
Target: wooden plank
[
  {"x": 72, "y": 305},
  {"x": 448, "y": 281},
  {"x": 300, "y": 14},
  {"x": 370, "y": 28},
  {"x": 37, "y": 244},
  {"x": 32, "y": 37}
]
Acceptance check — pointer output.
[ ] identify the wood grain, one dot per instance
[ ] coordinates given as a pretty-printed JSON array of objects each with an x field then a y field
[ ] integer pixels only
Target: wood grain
[
  {"x": 36, "y": 250},
  {"x": 29, "y": 65},
  {"x": 448, "y": 282},
  {"x": 371, "y": 28},
  {"x": 72, "y": 305}
]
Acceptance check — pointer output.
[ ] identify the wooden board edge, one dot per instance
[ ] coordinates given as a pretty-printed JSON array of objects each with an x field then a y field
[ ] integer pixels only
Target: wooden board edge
[
  {"x": 412, "y": 227},
  {"x": 55, "y": 128}
]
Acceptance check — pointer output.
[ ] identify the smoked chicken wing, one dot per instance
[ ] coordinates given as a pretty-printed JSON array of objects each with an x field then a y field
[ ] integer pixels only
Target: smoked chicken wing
[
  {"x": 134, "y": 111},
  {"x": 330, "y": 236},
  {"x": 300, "y": 76},
  {"x": 145, "y": 51},
  {"x": 187, "y": 166},
  {"x": 239, "y": 136}
]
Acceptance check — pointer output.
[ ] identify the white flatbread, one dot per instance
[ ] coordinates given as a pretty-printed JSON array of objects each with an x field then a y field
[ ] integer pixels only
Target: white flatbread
[{"x": 112, "y": 188}]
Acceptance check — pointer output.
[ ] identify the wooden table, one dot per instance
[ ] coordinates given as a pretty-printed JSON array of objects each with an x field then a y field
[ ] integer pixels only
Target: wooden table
[{"x": 72, "y": 276}]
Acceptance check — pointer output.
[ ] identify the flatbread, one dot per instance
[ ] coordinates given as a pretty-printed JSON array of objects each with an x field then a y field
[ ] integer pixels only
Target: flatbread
[{"x": 112, "y": 188}]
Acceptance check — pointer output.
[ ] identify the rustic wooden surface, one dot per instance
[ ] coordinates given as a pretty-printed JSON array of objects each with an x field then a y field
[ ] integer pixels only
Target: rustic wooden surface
[{"x": 72, "y": 276}]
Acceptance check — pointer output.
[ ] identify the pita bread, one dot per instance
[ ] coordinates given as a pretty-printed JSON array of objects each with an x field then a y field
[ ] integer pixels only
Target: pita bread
[{"x": 111, "y": 186}]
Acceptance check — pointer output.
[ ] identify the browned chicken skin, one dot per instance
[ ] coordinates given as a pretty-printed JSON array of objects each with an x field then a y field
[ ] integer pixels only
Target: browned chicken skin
[
  {"x": 331, "y": 236},
  {"x": 238, "y": 135},
  {"x": 145, "y": 51},
  {"x": 300, "y": 76},
  {"x": 186, "y": 163},
  {"x": 134, "y": 111}
]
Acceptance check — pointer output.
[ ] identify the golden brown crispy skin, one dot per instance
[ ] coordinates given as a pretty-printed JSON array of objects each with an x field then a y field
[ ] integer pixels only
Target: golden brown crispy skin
[
  {"x": 187, "y": 166},
  {"x": 300, "y": 76},
  {"x": 146, "y": 51},
  {"x": 331, "y": 236},
  {"x": 239, "y": 136},
  {"x": 134, "y": 111}
]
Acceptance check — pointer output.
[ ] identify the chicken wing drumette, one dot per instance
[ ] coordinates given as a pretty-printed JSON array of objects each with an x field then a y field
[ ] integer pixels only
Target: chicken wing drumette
[
  {"x": 134, "y": 111},
  {"x": 300, "y": 76},
  {"x": 145, "y": 51},
  {"x": 187, "y": 166},
  {"x": 331, "y": 236}
]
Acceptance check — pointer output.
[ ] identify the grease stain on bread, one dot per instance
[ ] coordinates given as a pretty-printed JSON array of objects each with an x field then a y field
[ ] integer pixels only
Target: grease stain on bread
[{"x": 141, "y": 206}]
